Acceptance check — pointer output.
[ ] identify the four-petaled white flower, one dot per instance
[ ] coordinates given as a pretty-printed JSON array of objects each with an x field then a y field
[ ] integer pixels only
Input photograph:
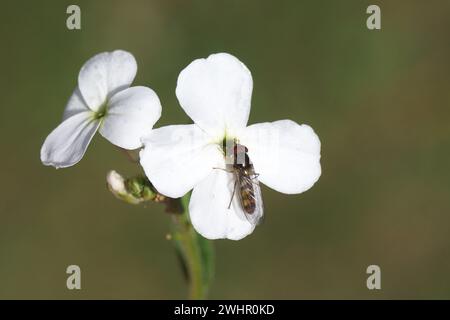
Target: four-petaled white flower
[
  {"x": 104, "y": 101},
  {"x": 216, "y": 94}
]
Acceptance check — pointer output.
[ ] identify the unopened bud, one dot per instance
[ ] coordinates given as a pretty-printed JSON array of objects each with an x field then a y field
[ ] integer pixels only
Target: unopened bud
[
  {"x": 116, "y": 182},
  {"x": 132, "y": 190}
]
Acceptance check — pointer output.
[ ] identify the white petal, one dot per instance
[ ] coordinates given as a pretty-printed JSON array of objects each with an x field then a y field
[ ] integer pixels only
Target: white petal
[
  {"x": 130, "y": 114},
  {"x": 208, "y": 208},
  {"x": 66, "y": 145},
  {"x": 75, "y": 105},
  {"x": 175, "y": 158},
  {"x": 105, "y": 74},
  {"x": 285, "y": 155},
  {"x": 216, "y": 93}
]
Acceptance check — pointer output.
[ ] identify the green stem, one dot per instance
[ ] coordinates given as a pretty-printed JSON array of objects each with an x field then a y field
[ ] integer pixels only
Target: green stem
[{"x": 196, "y": 253}]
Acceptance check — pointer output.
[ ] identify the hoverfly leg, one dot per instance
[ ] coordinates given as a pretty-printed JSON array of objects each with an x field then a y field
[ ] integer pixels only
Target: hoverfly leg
[
  {"x": 232, "y": 195},
  {"x": 229, "y": 171}
]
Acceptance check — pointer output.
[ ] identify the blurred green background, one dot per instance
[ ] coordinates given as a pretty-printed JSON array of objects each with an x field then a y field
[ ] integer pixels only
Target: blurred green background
[{"x": 379, "y": 101}]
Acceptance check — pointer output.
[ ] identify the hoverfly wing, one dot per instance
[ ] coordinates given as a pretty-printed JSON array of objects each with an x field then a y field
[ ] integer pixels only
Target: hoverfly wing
[
  {"x": 254, "y": 217},
  {"x": 258, "y": 215}
]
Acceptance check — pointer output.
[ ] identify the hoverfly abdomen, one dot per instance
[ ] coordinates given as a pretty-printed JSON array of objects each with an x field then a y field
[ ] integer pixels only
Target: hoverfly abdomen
[
  {"x": 247, "y": 194},
  {"x": 246, "y": 183}
]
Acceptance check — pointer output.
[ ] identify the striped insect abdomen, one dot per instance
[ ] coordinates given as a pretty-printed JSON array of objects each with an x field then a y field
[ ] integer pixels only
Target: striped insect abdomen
[{"x": 247, "y": 192}]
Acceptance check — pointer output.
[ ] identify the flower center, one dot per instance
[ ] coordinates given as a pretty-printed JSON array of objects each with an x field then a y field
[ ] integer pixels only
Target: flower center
[
  {"x": 230, "y": 148},
  {"x": 101, "y": 112}
]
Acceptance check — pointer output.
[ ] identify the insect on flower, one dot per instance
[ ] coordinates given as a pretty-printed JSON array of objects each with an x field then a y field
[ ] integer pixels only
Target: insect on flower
[
  {"x": 215, "y": 93},
  {"x": 246, "y": 181}
]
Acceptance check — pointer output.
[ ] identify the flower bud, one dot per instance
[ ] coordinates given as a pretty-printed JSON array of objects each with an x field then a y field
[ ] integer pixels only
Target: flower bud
[
  {"x": 132, "y": 190},
  {"x": 116, "y": 183}
]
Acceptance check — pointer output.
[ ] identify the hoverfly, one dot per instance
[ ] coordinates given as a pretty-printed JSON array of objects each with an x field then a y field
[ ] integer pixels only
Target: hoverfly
[{"x": 246, "y": 182}]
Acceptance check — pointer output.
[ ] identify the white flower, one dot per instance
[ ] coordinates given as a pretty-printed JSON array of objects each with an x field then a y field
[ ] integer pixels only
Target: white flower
[
  {"x": 104, "y": 101},
  {"x": 216, "y": 94}
]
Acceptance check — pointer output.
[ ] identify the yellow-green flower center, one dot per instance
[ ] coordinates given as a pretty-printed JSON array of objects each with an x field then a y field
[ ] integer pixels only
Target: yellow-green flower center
[{"x": 100, "y": 113}]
